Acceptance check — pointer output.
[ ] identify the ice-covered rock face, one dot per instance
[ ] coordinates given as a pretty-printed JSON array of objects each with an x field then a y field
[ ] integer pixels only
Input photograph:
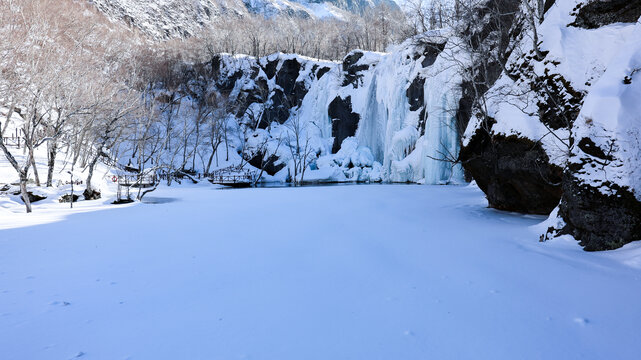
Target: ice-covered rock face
[{"x": 400, "y": 108}]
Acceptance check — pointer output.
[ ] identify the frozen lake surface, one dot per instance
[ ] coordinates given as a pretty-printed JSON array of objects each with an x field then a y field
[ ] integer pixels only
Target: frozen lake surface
[{"x": 315, "y": 273}]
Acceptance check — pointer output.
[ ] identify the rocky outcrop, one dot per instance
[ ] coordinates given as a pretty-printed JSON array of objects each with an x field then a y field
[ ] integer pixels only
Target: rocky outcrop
[
  {"x": 91, "y": 194},
  {"x": 600, "y": 213},
  {"x": 68, "y": 198},
  {"x": 599, "y": 221},
  {"x": 512, "y": 170},
  {"x": 601, "y": 204},
  {"x": 353, "y": 68},
  {"x": 271, "y": 165},
  {"x": 514, "y": 173},
  {"x": 286, "y": 79},
  {"x": 33, "y": 197}
]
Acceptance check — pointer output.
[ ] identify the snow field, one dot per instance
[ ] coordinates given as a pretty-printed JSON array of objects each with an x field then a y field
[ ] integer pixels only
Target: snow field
[{"x": 342, "y": 272}]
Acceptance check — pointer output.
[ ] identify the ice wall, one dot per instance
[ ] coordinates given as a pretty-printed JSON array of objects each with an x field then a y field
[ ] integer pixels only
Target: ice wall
[
  {"x": 413, "y": 145},
  {"x": 441, "y": 144},
  {"x": 404, "y": 103}
]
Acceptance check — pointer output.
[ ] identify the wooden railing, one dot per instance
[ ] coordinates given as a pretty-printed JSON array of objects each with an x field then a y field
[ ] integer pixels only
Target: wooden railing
[
  {"x": 231, "y": 175},
  {"x": 231, "y": 178},
  {"x": 136, "y": 180},
  {"x": 13, "y": 141}
]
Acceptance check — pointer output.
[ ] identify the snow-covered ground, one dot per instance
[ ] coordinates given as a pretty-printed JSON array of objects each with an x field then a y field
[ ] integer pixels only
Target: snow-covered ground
[{"x": 340, "y": 272}]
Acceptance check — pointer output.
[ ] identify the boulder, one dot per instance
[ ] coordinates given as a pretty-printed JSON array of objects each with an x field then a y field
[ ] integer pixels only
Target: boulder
[
  {"x": 32, "y": 197},
  {"x": 68, "y": 198},
  {"x": 270, "y": 165},
  {"x": 599, "y": 221},
  {"x": 91, "y": 194},
  {"x": 514, "y": 173}
]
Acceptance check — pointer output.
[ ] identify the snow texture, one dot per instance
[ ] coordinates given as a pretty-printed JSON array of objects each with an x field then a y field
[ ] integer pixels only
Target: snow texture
[
  {"x": 360, "y": 272},
  {"x": 610, "y": 117}
]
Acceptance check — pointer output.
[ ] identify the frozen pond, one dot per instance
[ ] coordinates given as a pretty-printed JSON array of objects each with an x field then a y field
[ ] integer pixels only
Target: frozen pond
[{"x": 315, "y": 273}]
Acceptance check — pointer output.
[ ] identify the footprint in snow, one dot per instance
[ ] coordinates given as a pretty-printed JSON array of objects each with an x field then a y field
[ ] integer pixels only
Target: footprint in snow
[
  {"x": 581, "y": 321},
  {"x": 61, "y": 303}
]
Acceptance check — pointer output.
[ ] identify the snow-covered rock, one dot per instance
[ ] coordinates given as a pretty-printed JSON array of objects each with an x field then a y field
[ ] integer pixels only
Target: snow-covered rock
[
  {"x": 601, "y": 203},
  {"x": 559, "y": 124}
]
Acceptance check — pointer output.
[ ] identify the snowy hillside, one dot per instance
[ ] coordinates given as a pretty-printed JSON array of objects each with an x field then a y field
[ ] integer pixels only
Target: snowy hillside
[
  {"x": 163, "y": 19},
  {"x": 169, "y": 18}
]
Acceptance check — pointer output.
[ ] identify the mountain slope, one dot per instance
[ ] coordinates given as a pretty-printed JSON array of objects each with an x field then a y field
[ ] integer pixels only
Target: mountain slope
[{"x": 162, "y": 19}]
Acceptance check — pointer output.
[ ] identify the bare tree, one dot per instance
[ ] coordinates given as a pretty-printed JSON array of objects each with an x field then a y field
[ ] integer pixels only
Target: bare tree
[{"x": 298, "y": 142}]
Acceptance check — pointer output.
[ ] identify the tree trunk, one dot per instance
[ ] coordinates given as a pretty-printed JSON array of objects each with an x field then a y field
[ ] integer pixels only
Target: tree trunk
[
  {"x": 53, "y": 151},
  {"x": 21, "y": 172},
  {"x": 211, "y": 158},
  {"x": 92, "y": 166},
  {"x": 12, "y": 108},
  {"x": 23, "y": 191},
  {"x": 33, "y": 165}
]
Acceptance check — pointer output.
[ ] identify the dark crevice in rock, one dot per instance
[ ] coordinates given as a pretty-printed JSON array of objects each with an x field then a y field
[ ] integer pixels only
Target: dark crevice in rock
[
  {"x": 344, "y": 120},
  {"x": 287, "y": 75},
  {"x": 270, "y": 68},
  {"x": 597, "y": 13},
  {"x": 548, "y": 4},
  {"x": 589, "y": 147},
  {"x": 415, "y": 93},
  {"x": 277, "y": 109},
  {"x": 322, "y": 71},
  {"x": 430, "y": 54},
  {"x": 422, "y": 120},
  {"x": 352, "y": 70}
]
